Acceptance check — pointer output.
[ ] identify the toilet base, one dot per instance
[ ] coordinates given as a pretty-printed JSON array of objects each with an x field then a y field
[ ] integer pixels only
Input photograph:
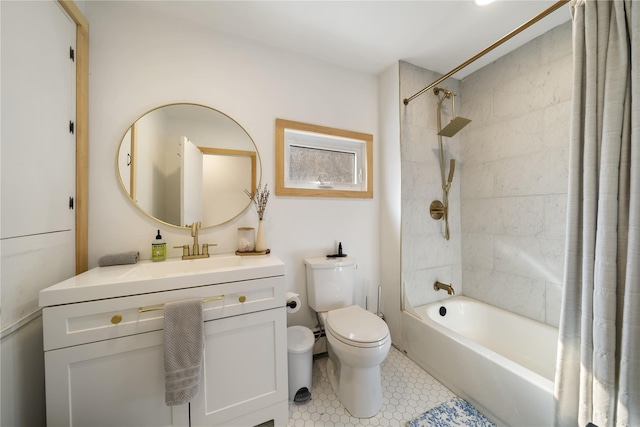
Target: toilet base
[{"x": 358, "y": 389}]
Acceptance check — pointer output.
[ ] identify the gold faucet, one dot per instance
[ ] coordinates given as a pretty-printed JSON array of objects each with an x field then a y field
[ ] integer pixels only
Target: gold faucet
[
  {"x": 437, "y": 286},
  {"x": 194, "y": 233},
  {"x": 195, "y": 253}
]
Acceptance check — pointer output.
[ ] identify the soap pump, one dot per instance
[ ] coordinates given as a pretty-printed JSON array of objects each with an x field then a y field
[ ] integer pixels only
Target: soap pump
[{"x": 158, "y": 249}]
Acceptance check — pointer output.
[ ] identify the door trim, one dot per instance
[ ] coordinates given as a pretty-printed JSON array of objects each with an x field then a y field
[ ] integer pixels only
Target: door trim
[{"x": 82, "y": 134}]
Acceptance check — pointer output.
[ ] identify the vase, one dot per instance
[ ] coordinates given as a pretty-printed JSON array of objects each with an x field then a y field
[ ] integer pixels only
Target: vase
[{"x": 261, "y": 243}]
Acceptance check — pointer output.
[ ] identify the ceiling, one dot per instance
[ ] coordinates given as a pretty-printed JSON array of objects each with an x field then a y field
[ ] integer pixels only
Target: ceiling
[{"x": 370, "y": 36}]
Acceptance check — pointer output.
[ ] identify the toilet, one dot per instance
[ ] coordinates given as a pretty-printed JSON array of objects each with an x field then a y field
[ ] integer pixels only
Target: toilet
[{"x": 358, "y": 340}]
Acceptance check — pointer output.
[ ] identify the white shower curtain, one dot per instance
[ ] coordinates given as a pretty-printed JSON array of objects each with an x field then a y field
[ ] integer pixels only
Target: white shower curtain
[{"x": 598, "y": 375}]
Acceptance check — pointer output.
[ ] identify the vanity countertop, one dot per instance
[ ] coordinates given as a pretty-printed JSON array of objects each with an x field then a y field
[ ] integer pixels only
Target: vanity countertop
[{"x": 147, "y": 276}]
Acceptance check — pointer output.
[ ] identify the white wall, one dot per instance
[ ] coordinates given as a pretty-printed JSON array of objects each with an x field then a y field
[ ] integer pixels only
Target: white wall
[
  {"x": 390, "y": 198},
  {"x": 140, "y": 60}
]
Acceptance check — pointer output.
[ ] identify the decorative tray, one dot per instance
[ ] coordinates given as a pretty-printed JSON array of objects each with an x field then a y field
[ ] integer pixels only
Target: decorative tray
[{"x": 265, "y": 252}]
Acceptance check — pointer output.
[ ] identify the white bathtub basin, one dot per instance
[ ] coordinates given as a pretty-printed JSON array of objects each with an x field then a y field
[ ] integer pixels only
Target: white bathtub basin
[
  {"x": 502, "y": 363},
  {"x": 147, "y": 276}
]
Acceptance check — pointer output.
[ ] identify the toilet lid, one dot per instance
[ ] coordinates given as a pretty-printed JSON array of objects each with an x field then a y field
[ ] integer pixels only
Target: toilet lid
[{"x": 357, "y": 324}]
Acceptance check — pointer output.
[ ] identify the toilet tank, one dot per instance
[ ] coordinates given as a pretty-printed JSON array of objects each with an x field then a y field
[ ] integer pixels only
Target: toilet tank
[{"x": 329, "y": 282}]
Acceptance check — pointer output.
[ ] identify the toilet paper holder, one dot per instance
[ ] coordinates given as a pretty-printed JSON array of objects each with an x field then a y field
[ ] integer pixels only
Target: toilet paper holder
[{"x": 292, "y": 302}]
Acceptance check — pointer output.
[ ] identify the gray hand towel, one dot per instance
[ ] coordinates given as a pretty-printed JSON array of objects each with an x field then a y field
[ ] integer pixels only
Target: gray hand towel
[
  {"x": 119, "y": 259},
  {"x": 183, "y": 350}
]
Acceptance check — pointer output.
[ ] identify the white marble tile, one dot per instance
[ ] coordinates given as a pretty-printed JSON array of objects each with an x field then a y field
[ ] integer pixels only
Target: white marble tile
[
  {"x": 516, "y": 97},
  {"x": 417, "y": 143},
  {"x": 557, "y": 43},
  {"x": 419, "y": 290},
  {"x": 431, "y": 250},
  {"x": 553, "y": 253},
  {"x": 519, "y": 216},
  {"x": 476, "y": 180},
  {"x": 522, "y": 176},
  {"x": 415, "y": 217},
  {"x": 521, "y": 136},
  {"x": 520, "y": 61},
  {"x": 478, "y": 215},
  {"x": 555, "y": 216},
  {"x": 477, "y": 282},
  {"x": 519, "y": 255},
  {"x": 477, "y": 250},
  {"x": 553, "y": 304},
  {"x": 506, "y": 68},
  {"x": 511, "y": 292},
  {"x": 479, "y": 146},
  {"x": 556, "y": 126},
  {"x": 557, "y": 168},
  {"x": 476, "y": 104},
  {"x": 420, "y": 181},
  {"x": 556, "y": 87},
  {"x": 533, "y": 257}
]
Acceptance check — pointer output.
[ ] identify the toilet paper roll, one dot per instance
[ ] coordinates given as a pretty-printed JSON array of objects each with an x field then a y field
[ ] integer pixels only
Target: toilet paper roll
[{"x": 293, "y": 302}]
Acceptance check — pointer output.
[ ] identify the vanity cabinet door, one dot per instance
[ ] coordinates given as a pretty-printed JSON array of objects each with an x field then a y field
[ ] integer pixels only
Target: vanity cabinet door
[
  {"x": 245, "y": 371},
  {"x": 115, "y": 383}
]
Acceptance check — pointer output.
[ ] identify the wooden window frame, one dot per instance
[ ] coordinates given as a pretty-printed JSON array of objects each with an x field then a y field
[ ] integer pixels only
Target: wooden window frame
[{"x": 283, "y": 190}]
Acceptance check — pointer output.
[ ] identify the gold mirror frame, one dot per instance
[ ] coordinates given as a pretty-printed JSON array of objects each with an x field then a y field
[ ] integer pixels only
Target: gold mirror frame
[
  {"x": 322, "y": 191},
  {"x": 234, "y": 141}
]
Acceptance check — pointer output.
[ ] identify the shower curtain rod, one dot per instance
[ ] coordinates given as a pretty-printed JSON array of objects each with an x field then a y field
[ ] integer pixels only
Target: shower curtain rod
[{"x": 489, "y": 48}]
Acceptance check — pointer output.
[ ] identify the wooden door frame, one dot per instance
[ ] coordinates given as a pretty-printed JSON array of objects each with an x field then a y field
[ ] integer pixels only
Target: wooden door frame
[{"x": 82, "y": 134}]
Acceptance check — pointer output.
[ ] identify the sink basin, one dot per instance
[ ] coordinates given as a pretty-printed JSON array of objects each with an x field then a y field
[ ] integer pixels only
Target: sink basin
[
  {"x": 177, "y": 267},
  {"x": 147, "y": 276}
]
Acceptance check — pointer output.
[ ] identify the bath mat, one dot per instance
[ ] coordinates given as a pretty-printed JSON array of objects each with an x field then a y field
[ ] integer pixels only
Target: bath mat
[{"x": 456, "y": 412}]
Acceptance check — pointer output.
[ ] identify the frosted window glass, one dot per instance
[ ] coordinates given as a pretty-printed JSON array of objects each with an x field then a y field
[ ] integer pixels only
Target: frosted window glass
[{"x": 314, "y": 164}]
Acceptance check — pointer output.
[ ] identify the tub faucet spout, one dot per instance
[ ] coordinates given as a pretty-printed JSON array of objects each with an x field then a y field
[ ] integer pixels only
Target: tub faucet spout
[{"x": 437, "y": 286}]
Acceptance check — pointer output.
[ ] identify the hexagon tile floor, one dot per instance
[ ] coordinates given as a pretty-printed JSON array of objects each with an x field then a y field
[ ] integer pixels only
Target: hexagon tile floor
[{"x": 407, "y": 391}]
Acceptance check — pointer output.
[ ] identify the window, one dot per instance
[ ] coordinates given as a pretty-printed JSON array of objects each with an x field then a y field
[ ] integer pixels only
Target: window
[{"x": 323, "y": 162}]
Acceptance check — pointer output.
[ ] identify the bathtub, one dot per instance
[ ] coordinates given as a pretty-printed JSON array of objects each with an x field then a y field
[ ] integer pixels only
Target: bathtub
[{"x": 502, "y": 363}]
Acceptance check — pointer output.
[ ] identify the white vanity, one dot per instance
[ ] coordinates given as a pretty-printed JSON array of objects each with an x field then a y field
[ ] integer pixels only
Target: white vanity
[{"x": 103, "y": 343}]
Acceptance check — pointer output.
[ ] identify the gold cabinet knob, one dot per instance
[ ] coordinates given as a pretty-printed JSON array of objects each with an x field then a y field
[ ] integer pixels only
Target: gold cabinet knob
[
  {"x": 116, "y": 319},
  {"x": 242, "y": 298}
]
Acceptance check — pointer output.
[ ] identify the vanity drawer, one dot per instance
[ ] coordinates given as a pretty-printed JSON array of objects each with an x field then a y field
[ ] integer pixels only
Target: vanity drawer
[{"x": 74, "y": 324}]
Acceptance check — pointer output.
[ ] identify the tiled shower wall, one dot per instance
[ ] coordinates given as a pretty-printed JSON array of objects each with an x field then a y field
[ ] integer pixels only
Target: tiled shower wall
[
  {"x": 508, "y": 201},
  {"x": 426, "y": 255},
  {"x": 514, "y": 177}
]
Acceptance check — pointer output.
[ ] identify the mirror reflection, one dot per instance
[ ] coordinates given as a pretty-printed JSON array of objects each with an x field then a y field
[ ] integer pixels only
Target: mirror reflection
[{"x": 182, "y": 163}]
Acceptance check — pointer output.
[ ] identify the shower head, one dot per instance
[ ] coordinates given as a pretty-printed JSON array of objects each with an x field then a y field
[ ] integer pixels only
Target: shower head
[
  {"x": 457, "y": 123},
  {"x": 452, "y": 168},
  {"x": 454, "y": 126}
]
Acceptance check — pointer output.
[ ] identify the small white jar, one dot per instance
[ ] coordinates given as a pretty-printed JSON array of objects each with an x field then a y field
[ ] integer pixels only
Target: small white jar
[{"x": 246, "y": 239}]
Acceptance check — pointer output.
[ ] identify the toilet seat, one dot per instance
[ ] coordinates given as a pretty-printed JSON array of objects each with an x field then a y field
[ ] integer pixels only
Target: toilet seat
[{"x": 357, "y": 327}]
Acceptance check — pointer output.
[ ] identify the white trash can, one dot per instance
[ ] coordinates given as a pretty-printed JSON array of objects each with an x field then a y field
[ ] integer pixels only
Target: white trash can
[{"x": 300, "y": 342}]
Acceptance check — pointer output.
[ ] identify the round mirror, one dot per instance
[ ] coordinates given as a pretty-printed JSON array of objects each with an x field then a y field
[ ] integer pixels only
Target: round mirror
[{"x": 183, "y": 163}]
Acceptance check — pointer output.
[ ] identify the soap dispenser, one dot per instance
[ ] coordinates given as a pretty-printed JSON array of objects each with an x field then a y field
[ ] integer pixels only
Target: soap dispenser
[{"x": 158, "y": 249}]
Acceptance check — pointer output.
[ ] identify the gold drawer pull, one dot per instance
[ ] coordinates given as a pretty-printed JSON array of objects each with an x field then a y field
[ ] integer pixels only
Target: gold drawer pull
[
  {"x": 242, "y": 298},
  {"x": 116, "y": 319}
]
